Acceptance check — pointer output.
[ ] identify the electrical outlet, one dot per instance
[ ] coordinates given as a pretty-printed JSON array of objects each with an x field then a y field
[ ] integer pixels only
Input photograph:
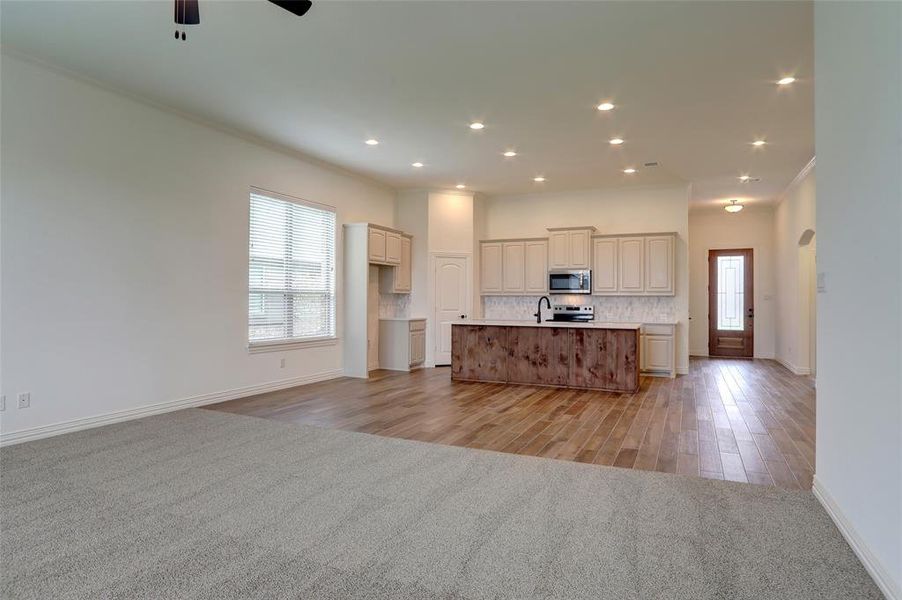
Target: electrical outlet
[
  {"x": 25, "y": 400},
  {"x": 2, "y": 403},
  {"x": 282, "y": 364}
]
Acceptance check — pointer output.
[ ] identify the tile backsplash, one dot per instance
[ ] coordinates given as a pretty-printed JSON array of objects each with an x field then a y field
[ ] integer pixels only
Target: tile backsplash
[
  {"x": 641, "y": 309},
  {"x": 393, "y": 306}
]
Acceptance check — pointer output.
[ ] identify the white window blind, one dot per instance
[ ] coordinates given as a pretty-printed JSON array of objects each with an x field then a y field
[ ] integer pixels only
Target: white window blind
[{"x": 292, "y": 270}]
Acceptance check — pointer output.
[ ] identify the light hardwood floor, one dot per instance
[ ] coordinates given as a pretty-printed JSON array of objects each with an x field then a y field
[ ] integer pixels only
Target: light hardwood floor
[{"x": 733, "y": 419}]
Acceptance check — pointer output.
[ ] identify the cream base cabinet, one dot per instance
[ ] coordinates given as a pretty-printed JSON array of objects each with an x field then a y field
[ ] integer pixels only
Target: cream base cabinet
[
  {"x": 570, "y": 247},
  {"x": 513, "y": 267},
  {"x": 536, "y": 267},
  {"x": 604, "y": 274},
  {"x": 657, "y": 352},
  {"x": 402, "y": 344},
  {"x": 397, "y": 279},
  {"x": 490, "y": 268},
  {"x": 659, "y": 265}
]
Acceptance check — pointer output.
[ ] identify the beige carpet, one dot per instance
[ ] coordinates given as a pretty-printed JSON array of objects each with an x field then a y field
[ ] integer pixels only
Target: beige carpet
[{"x": 202, "y": 504}]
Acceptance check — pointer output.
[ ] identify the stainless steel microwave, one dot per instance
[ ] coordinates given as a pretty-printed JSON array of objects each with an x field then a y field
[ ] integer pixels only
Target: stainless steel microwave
[{"x": 570, "y": 281}]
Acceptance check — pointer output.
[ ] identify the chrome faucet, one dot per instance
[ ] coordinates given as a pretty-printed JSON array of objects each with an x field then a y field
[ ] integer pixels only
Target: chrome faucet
[{"x": 538, "y": 314}]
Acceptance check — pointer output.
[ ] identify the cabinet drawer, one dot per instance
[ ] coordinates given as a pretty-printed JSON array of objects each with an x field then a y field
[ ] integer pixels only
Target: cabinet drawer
[
  {"x": 418, "y": 325},
  {"x": 657, "y": 329}
]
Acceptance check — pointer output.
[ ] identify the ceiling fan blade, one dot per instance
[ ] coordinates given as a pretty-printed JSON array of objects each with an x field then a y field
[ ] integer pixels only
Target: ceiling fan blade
[
  {"x": 296, "y": 7},
  {"x": 187, "y": 12}
]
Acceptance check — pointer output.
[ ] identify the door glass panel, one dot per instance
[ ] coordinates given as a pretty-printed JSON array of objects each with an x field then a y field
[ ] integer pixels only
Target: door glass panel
[{"x": 730, "y": 292}]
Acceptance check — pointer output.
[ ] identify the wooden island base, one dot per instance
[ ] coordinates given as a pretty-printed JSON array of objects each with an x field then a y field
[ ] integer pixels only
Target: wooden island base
[{"x": 576, "y": 357}]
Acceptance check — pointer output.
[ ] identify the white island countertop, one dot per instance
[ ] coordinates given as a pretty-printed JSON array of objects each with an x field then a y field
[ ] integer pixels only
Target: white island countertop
[{"x": 532, "y": 323}]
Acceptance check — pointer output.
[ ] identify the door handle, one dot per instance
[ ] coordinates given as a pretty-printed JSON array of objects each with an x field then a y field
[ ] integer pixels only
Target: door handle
[
  {"x": 751, "y": 313},
  {"x": 463, "y": 316}
]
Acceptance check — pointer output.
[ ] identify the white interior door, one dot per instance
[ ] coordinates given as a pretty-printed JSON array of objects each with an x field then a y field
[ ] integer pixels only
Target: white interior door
[{"x": 452, "y": 301}]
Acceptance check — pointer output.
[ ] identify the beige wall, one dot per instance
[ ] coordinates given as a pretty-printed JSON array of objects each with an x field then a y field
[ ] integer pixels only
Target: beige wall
[
  {"x": 794, "y": 269},
  {"x": 124, "y": 245},
  {"x": 611, "y": 211},
  {"x": 713, "y": 229}
]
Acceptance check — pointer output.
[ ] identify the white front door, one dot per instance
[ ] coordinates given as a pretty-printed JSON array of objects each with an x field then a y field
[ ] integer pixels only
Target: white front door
[{"x": 452, "y": 301}]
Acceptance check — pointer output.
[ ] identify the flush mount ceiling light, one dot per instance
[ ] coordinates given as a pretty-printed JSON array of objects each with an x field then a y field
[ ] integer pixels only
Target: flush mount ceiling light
[
  {"x": 371, "y": 142},
  {"x": 744, "y": 178},
  {"x": 616, "y": 141},
  {"x": 605, "y": 106},
  {"x": 538, "y": 179},
  {"x": 758, "y": 143},
  {"x": 460, "y": 186},
  {"x": 629, "y": 170},
  {"x": 510, "y": 153},
  {"x": 733, "y": 207},
  {"x": 476, "y": 125},
  {"x": 417, "y": 165},
  {"x": 786, "y": 80}
]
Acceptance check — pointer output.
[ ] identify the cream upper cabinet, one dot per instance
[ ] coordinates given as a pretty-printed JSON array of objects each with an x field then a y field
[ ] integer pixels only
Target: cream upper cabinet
[
  {"x": 396, "y": 279},
  {"x": 579, "y": 249},
  {"x": 513, "y": 267},
  {"x": 604, "y": 258},
  {"x": 393, "y": 248},
  {"x": 659, "y": 264},
  {"x": 376, "y": 245},
  {"x": 536, "y": 272},
  {"x": 631, "y": 265},
  {"x": 570, "y": 248},
  {"x": 490, "y": 262},
  {"x": 559, "y": 250}
]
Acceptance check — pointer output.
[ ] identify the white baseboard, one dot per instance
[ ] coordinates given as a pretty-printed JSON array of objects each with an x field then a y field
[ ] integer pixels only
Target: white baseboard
[
  {"x": 698, "y": 352},
  {"x": 43, "y": 431},
  {"x": 792, "y": 367},
  {"x": 872, "y": 564}
]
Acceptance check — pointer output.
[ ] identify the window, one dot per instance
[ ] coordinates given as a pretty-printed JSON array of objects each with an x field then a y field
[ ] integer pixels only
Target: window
[
  {"x": 292, "y": 271},
  {"x": 730, "y": 292}
]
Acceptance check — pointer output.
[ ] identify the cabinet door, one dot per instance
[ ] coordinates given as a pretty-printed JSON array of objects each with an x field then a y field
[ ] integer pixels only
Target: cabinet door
[
  {"x": 513, "y": 267},
  {"x": 659, "y": 264},
  {"x": 604, "y": 273},
  {"x": 393, "y": 248},
  {"x": 402, "y": 271},
  {"x": 631, "y": 263},
  {"x": 579, "y": 249},
  {"x": 536, "y": 278},
  {"x": 490, "y": 268},
  {"x": 658, "y": 353},
  {"x": 559, "y": 250},
  {"x": 417, "y": 347},
  {"x": 377, "y": 245}
]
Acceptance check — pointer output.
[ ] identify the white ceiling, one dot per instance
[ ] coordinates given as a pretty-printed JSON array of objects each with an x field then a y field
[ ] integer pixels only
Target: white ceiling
[{"x": 693, "y": 84}]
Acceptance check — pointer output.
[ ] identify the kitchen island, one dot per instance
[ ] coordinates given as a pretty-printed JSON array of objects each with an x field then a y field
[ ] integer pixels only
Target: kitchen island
[{"x": 585, "y": 355}]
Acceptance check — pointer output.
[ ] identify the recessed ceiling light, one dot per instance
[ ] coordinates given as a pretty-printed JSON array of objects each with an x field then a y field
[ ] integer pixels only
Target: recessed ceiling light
[
  {"x": 372, "y": 142},
  {"x": 417, "y": 165},
  {"x": 629, "y": 170},
  {"x": 605, "y": 106},
  {"x": 786, "y": 80},
  {"x": 744, "y": 178},
  {"x": 510, "y": 153},
  {"x": 616, "y": 141},
  {"x": 758, "y": 143},
  {"x": 476, "y": 125},
  {"x": 460, "y": 186},
  {"x": 733, "y": 207},
  {"x": 538, "y": 179}
]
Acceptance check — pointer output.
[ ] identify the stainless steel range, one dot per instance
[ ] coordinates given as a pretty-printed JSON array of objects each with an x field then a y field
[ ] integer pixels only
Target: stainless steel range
[{"x": 572, "y": 312}]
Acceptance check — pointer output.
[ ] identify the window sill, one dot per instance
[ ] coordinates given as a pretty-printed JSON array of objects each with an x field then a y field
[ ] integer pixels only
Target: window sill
[{"x": 281, "y": 345}]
